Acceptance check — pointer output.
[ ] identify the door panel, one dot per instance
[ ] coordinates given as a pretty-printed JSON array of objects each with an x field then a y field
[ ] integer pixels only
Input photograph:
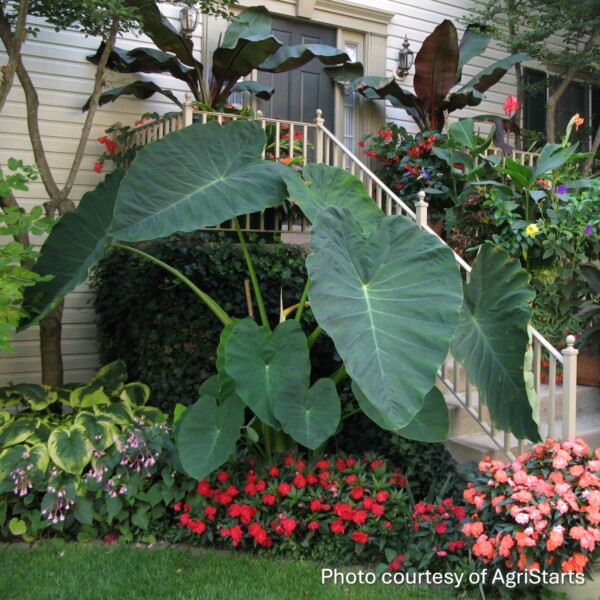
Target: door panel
[{"x": 299, "y": 93}]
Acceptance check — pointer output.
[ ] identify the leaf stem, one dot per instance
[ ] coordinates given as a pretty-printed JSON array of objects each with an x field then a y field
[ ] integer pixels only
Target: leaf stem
[
  {"x": 210, "y": 303},
  {"x": 259, "y": 300},
  {"x": 303, "y": 300}
]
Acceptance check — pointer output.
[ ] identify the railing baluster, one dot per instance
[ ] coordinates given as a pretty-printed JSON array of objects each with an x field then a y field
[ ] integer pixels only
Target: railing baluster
[{"x": 551, "y": 416}]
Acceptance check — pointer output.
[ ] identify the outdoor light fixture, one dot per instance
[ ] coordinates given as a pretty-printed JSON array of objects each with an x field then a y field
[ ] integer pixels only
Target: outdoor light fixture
[
  {"x": 406, "y": 58},
  {"x": 188, "y": 17}
]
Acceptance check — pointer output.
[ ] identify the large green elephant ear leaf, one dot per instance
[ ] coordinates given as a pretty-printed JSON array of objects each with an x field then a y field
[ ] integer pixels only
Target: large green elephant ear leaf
[
  {"x": 70, "y": 448},
  {"x": 390, "y": 302},
  {"x": 321, "y": 186},
  {"x": 288, "y": 58},
  {"x": 492, "y": 338},
  {"x": 265, "y": 365},
  {"x": 74, "y": 245},
  {"x": 208, "y": 433},
  {"x": 430, "y": 424},
  {"x": 310, "y": 415},
  {"x": 196, "y": 177}
]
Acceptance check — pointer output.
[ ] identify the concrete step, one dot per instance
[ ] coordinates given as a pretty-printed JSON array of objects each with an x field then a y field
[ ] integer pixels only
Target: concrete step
[{"x": 466, "y": 440}]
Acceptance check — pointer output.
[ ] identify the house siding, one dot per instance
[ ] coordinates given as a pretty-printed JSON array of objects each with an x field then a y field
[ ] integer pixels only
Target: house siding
[{"x": 65, "y": 79}]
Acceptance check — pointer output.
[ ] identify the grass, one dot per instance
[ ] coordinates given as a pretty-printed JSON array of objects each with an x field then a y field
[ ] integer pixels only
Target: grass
[{"x": 55, "y": 569}]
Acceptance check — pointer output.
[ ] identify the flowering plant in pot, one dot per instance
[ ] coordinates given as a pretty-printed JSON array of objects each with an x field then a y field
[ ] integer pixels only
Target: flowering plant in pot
[
  {"x": 589, "y": 341},
  {"x": 539, "y": 513}
]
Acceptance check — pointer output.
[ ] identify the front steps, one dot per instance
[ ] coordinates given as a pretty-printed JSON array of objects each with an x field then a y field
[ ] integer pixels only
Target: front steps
[{"x": 467, "y": 441}]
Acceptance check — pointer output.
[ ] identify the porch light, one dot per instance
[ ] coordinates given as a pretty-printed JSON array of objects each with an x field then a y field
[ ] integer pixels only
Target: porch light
[
  {"x": 188, "y": 17},
  {"x": 406, "y": 58}
]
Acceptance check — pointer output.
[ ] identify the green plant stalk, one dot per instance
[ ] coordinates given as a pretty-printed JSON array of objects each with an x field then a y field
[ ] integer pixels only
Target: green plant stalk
[
  {"x": 339, "y": 375},
  {"x": 303, "y": 300},
  {"x": 267, "y": 440},
  {"x": 259, "y": 300},
  {"x": 314, "y": 336},
  {"x": 212, "y": 305}
]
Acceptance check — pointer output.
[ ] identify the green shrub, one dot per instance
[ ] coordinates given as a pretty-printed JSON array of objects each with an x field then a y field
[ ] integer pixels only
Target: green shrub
[{"x": 167, "y": 337}]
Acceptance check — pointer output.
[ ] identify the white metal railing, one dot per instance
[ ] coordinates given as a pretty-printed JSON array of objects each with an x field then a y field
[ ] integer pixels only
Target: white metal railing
[{"x": 317, "y": 144}]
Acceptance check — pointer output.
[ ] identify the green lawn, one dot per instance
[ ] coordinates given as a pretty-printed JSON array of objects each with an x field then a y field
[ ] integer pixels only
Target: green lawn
[{"x": 80, "y": 572}]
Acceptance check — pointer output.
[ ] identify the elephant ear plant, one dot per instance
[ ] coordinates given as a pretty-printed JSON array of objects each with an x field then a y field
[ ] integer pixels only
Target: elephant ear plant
[
  {"x": 389, "y": 295},
  {"x": 438, "y": 69}
]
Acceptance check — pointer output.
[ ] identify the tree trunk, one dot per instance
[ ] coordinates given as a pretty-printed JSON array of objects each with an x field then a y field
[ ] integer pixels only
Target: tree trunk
[
  {"x": 50, "y": 347},
  {"x": 589, "y": 161}
]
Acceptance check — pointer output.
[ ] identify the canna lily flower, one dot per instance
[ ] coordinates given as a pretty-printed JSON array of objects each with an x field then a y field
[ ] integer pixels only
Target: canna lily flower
[
  {"x": 510, "y": 104},
  {"x": 577, "y": 121},
  {"x": 531, "y": 230}
]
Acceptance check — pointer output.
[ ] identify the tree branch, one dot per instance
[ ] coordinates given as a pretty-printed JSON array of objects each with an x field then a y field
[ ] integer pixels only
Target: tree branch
[
  {"x": 562, "y": 88},
  {"x": 13, "y": 43},
  {"x": 91, "y": 113},
  {"x": 589, "y": 161}
]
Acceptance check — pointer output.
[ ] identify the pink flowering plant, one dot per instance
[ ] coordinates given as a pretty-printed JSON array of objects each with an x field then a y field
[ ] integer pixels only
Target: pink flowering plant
[
  {"x": 335, "y": 509},
  {"x": 541, "y": 511}
]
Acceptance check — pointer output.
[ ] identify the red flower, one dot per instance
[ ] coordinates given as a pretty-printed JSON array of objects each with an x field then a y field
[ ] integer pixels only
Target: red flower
[
  {"x": 269, "y": 499},
  {"x": 338, "y": 527},
  {"x": 350, "y": 462},
  {"x": 210, "y": 513},
  {"x": 316, "y": 505},
  {"x": 360, "y": 537},
  {"x": 322, "y": 464},
  {"x": 378, "y": 510},
  {"x": 311, "y": 479},
  {"x": 177, "y": 506},
  {"x": 274, "y": 472},
  {"x": 313, "y": 525},
  {"x": 222, "y": 476},
  {"x": 98, "y": 166},
  {"x": 359, "y": 516},
  {"x": 289, "y": 460},
  {"x": 340, "y": 464},
  {"x": 510, "y": 104},
  {"x": 284, "y": 488},
  {"x": 441, "y": 528},
  {"x": 204, "y": 488},
  {"x": 343, "y": 510},
  {"x": 368, "y": 503},
  {"x": 299, "y": 481},
  {"x": 376, "y": 464},
  {"x": 351, "y": 480},
  {"x": 381, "y": 496},
  {"x": 288, "y": 526},
  {"x": 356, "y": 493},
  {"x": 452, "y": 546}
]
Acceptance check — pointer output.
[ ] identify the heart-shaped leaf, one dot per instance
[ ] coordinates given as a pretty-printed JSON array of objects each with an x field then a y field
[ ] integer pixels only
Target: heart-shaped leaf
[
  {"x": 17, "y": 431},
  {"x": 430, "y": 424},
  {"x": 390, "y": 302},
  {"x": 492, "y": 338},
  {"x": 70, "y": 448},
  {"x": 99, "y": 428},
  {"x": 74, "y": 245},
  {"x": 309, "y": 415},
  {"x": 37, "y": 396},
  {"x": 152, "y": 203},
  {"x": 321, "y": 186},
  {"x": 265, "y": 365},
  {"x": 37, "y": 456},
  {"x": 208, "y": 433}
]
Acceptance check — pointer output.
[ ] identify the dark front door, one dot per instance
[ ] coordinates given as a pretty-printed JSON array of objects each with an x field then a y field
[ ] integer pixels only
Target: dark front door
[{"x": 299, "y": 93}]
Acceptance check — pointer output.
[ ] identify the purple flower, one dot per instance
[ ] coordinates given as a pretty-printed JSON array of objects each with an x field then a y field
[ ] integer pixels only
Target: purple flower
[
  {"x": 424, "y": 173},
  {"x": 588, "y": 230},
  {"x": 562, "y": 189}
]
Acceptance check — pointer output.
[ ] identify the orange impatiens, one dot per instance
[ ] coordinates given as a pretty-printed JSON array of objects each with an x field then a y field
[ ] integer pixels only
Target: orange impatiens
[{"x": 542, "y": 511}]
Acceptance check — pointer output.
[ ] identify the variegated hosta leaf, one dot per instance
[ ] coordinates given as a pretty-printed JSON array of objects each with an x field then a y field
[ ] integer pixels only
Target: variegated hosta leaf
[
  {"x": 99, "y": 428},
  {"x": 135, "y": 393},
  {"x": 70, "y": 449},
  {"x": 17, "y": 431}
]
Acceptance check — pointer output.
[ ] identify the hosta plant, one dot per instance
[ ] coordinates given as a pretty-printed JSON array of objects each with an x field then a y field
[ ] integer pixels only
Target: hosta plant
[
  {"x": 98, "y": 467},
  {"x": 388, "y": 294}
]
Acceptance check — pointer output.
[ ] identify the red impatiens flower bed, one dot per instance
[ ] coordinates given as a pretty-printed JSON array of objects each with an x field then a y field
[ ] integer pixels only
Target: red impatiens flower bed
[
  {"x": 332, "y": 509},
  {"x": 345, "y": 504}
]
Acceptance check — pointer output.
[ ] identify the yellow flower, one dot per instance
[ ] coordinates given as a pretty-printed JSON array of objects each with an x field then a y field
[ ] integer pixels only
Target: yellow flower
[{"x": 531, "y": 230}]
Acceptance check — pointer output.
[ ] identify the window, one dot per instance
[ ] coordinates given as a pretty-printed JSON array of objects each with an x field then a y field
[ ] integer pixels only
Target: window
[{"x": 578, "y": 98}]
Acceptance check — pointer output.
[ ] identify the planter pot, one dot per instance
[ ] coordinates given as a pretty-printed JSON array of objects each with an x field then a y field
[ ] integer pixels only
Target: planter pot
[{"x": 588, "y": 369}]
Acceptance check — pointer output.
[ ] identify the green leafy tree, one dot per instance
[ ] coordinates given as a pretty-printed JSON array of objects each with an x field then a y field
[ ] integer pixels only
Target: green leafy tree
[
  {"x": 92, "y": 18},
  {"x": 558, "y": 33}
]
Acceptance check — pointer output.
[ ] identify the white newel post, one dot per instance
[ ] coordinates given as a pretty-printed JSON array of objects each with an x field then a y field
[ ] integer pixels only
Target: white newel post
[
  {"x": 318, "y": 121},
  {"x": 569, "y": 388},
  {"x": 421, "y": 209},
  {"x": 188, "y": 110}
]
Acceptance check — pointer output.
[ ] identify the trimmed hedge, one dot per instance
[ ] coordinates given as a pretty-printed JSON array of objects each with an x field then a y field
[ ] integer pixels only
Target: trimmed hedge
[{"x": 164, "y": 333}]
